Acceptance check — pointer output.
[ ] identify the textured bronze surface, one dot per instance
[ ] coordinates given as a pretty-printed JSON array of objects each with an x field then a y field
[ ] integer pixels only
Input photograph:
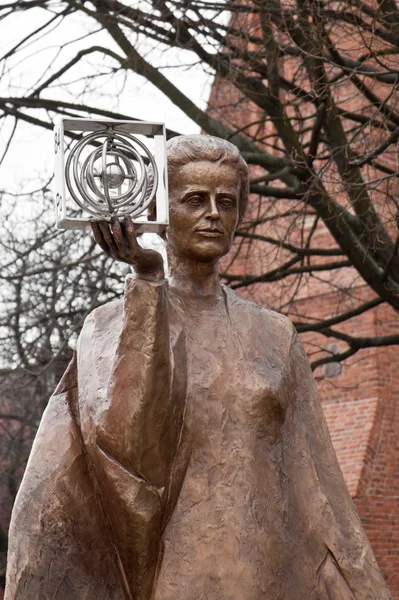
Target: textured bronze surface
[{"x": 185, "y": 455}]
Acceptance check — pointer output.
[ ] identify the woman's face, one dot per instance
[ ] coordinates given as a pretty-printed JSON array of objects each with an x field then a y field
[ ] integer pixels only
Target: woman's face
[{"x": 204, "y": 208}]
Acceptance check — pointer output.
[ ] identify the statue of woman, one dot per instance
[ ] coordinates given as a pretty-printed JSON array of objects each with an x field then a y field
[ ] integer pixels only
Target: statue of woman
[{"x": 185, "y": 455}]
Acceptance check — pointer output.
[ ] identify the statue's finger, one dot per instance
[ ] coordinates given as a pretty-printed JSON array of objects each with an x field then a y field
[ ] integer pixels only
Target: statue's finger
[
  {"x": 130, "y": 235},
  {"x": 98, "y": 236},
  {"x": 118, "y": 236},
  {"x": 107, "y": 235}
]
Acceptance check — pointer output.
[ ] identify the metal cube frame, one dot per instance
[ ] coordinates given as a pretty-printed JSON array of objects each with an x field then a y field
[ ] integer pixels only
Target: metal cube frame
[{"x": 63, "y": 197}]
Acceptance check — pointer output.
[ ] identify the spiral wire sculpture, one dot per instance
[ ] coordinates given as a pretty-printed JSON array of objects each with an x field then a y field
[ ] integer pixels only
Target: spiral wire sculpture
[{"x": 126, "y": 181}]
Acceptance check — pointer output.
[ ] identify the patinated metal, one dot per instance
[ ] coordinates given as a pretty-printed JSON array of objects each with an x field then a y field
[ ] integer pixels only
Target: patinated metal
[{"x": 185, "y": 454}]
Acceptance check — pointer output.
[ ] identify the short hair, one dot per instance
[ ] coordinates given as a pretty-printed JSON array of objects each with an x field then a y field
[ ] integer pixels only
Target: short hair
[{"x": 184, "y": 149}]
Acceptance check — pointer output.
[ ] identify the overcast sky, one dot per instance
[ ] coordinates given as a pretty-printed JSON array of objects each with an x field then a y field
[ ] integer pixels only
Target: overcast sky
[{"x": 31, "y": 153}]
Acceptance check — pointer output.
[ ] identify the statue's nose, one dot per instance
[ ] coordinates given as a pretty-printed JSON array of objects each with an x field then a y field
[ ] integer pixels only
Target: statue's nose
[{"x": 213, "y": 211}]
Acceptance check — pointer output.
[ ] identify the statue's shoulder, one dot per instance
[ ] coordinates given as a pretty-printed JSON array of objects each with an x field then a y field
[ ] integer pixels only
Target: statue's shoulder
[
  {"x": 98, "y": 339},
  {"x": 268, "y": 320},
  {"x": 104, "y": 318}
]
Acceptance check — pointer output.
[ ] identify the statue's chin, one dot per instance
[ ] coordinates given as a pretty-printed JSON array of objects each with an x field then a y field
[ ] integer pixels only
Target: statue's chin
[
  {"x": 206, "y": 249},
  {"x": 209, "y": 252}
]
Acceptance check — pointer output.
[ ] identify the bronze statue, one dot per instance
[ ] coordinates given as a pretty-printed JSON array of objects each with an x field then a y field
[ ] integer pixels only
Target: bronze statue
[{"x": 184, "y": 455}]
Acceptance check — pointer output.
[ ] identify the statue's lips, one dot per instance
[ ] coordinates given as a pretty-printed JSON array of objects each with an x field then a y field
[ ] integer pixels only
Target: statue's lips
[{"x": 210, "y": 232}]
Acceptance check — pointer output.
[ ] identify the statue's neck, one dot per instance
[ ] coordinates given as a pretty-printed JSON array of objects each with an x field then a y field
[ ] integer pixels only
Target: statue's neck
[{"x": 193, "y": 278}]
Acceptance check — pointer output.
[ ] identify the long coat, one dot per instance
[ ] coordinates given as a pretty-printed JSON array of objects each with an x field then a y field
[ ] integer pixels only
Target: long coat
[{"x": 185, "y": 455}]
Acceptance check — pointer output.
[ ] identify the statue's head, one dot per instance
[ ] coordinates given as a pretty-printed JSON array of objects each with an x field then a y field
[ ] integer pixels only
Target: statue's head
[{"x": 208, "y": 195}]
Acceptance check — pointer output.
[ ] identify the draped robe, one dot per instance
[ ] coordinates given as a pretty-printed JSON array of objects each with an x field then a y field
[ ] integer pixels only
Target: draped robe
[{"x": 185, "y": 456}]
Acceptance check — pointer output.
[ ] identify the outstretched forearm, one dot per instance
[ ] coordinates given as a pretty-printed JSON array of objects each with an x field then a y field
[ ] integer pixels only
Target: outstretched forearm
[{"x": 132, "y": 400}]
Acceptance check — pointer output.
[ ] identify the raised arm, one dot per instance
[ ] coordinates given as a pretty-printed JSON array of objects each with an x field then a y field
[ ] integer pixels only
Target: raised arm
[{"x": 131, "y": 404}]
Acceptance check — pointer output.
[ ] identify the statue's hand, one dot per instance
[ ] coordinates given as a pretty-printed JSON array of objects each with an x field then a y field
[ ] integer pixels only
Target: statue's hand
[{"x": 118, "y": 240}]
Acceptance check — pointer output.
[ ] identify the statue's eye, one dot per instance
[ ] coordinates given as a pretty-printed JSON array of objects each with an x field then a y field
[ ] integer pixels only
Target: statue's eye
[
  {"x": 227, "y": 202},
  {"x": 194, "y": 200}
]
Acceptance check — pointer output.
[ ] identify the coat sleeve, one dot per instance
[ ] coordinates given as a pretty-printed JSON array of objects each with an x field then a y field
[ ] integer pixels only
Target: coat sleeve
[
  {"x": 106, "y": 465},
  {"x": 132, "y": 424},
  {"x": 58, "y": 541},
  {"x": 331, "y": 539}
]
